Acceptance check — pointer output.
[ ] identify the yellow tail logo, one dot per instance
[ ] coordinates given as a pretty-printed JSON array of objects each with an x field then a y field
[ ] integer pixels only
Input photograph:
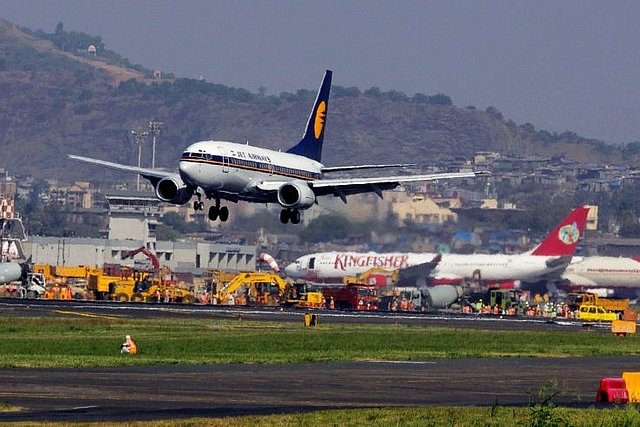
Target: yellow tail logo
[{"x": 318, "y": 124}]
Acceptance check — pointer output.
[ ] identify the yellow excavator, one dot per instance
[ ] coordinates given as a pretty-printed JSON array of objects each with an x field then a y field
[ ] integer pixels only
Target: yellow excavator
[{"x": 267, "y": 289}]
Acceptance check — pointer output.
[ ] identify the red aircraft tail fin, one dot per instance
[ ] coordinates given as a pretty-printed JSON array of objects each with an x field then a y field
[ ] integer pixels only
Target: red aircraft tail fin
[{"x": 563, "y": 240}]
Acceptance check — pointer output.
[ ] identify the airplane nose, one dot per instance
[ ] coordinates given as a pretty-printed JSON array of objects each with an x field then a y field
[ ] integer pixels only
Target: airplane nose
[
  {"x": 291, "y": 270},
  {"x": 187, "y": 172},
  {"x": 185, "y": 167}
]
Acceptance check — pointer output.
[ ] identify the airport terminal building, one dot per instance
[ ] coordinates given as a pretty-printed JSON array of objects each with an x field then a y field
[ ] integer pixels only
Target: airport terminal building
[{"x": 180, "y": 257}]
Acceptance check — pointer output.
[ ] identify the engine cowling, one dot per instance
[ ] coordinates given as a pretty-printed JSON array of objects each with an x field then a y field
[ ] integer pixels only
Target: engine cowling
[
  {"x": 173, "y": 190},
  {"x": 296, "y": 195}
]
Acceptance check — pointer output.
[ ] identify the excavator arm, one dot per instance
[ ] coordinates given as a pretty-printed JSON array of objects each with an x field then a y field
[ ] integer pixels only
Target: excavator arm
[{"x": 146, "y": 252}]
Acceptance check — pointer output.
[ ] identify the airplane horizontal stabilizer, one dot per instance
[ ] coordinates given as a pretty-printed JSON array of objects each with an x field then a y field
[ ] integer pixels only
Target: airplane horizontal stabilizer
[
  {"x": 559, "y": 262},
  {"x": 409, "y": 275}
]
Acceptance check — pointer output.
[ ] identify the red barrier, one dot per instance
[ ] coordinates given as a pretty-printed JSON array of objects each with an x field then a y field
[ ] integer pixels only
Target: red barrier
[{"x": 613, "y": 390}]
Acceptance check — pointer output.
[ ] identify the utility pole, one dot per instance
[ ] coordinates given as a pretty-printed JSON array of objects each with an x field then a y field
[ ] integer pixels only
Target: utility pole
[
  {"x": 139, "y": 139},
  {"x": 154, "y": 130}
]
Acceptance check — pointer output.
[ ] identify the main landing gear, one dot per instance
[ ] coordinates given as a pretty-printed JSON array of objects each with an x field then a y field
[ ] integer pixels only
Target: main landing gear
[
  {"x": 215, "y": 212},
  {"x": 292, "y": 215}
]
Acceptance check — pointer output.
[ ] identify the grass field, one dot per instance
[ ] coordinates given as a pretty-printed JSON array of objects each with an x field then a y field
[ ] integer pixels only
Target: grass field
[
  {"x": 95, "y": 341},
  {"x": 80, "y": 341}
]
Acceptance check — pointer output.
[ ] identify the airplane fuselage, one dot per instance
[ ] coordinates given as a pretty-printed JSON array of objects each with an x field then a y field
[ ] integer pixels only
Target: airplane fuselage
[
  {"x": 452, "y": 268},
  {"x": 233, "y": 170},
  {"x": 605, "y": 272},
  {"x": 491, "y": 267},
  {"x": 333, "y": 266}
]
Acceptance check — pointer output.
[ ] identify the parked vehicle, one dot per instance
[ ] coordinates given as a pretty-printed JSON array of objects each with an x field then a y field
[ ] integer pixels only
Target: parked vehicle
[
  {"x": 577, "y": 299},
  {"x": 593, "y": 313}
]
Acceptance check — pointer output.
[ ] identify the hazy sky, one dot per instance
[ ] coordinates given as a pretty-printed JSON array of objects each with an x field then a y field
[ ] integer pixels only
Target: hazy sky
[{"x": 559, "y": 65}]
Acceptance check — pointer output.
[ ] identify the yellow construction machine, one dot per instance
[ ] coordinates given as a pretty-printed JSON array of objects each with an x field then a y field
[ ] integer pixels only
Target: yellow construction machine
[
  {"x": 267, "y": 289},
  {"x": 146, "y": 288}
]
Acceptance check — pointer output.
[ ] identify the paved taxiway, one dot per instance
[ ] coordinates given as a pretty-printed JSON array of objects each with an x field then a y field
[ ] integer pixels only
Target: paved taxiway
[{"x": 161, "y": 392}]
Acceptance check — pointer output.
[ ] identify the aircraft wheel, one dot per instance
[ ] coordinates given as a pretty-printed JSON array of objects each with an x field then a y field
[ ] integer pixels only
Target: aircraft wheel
[
  {"x": 213, "y": 213},
  {"x": 224, "y": 213},
  {"x": 295, "y": 216},
  {"x": 284, "y": 216}
]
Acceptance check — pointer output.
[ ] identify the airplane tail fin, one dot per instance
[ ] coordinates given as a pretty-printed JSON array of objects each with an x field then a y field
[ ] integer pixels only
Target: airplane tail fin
[
  {"x": 311, "y": 143},
  {"x": 563, "y": 240}
]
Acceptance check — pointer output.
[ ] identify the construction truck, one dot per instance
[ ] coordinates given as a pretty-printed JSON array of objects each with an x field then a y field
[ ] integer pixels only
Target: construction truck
[
  {"x": 576, "y": 299},
  {"x": 303, "y": 295},
  {"x": 379, "y": 277},
  {"x": 35, "y": 285},
  {"x": 413, "y": 276},
  {"x": 421, "y": 298},
  {"x": 144, "y": 287},
  {"x": 215, "y": 280},
  {"x": 268, "y": 289},
  {"x": 147, "y": 283},
  {"x": 507, "y": 300},
  {"x": 62, "y": 272},
  {"x": 252, "y": 288},
  {"x": 73, "y": 278},
  {"x": 351, "y": 297},
  {"x": 101, "y": 286}
]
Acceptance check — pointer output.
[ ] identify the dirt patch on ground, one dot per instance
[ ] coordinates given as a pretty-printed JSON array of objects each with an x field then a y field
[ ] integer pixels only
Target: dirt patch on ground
[{"x": 117, "y": 72}]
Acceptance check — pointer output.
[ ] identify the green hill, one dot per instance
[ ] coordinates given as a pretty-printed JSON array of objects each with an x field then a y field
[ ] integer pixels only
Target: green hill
[{"x": 58, "y": 98}]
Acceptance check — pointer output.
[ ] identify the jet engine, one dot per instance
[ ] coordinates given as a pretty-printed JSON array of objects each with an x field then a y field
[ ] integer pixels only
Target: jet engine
[
  {"x": 10, "y": 272},
  {"x": 173, "y": 190},
  {"x": 296, "y": 195}
]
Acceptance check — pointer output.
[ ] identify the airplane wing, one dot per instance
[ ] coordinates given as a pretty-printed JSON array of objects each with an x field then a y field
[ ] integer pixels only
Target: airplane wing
[
  {"x": 153, "y": 175},
  {"x": 344, "y": 187},
  {"x": 347, "y": 186},
  {"x": 326, "y": 169}
]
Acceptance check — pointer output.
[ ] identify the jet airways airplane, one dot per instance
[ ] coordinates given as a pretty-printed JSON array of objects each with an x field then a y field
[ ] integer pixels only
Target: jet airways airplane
[
  {"x": 237, "y": 171},
  {"x": 548, "y": 258}
]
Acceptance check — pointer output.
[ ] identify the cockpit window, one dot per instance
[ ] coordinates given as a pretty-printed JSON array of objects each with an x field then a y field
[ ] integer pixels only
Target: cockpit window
[{"x": 193, "y": 155}]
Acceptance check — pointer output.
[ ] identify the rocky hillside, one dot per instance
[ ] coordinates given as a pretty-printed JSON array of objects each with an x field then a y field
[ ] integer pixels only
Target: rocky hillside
[{"x": 58, "y": 98}]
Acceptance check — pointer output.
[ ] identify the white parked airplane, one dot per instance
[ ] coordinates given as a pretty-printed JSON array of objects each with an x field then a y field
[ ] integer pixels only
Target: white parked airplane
[
  {"x": 237, "y": 171},
  {"x": 547, "y": 259},
  {"x": 603, "y": 272}
]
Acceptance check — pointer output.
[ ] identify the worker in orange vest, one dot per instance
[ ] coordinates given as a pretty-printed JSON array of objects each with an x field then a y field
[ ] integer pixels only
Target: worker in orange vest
[{"x": 129, "y": 346}]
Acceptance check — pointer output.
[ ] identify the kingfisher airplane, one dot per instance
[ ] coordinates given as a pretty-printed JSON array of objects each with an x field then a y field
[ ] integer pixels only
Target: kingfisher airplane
[
  {"x": 548, "y": 259},
  {"x": 239, "y": 172}
]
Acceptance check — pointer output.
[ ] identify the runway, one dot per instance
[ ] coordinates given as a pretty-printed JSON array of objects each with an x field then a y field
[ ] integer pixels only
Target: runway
[{"x": 166, "y": 392}]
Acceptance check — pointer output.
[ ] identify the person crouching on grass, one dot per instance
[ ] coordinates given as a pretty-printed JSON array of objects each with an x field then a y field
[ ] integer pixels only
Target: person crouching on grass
[{"x": 128, "y": 346}]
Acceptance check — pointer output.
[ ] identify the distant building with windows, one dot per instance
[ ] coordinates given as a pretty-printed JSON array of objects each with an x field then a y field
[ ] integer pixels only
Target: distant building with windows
[
  {"x": 180, "y": 257},
  {"x": 134, "y": 215}
]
